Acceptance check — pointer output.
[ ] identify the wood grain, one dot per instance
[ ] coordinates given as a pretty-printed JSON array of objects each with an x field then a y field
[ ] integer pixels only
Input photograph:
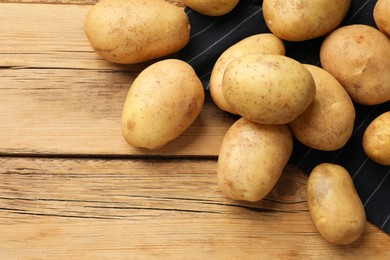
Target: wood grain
[{"x": 97, "y": 208}]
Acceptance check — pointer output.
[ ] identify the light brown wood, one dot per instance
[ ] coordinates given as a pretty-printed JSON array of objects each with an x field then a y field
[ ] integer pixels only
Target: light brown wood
[{"x": 116, "y": 209}]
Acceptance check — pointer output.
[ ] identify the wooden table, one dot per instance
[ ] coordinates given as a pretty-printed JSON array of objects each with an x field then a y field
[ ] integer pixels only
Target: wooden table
[{"x": 71, "y": 188}]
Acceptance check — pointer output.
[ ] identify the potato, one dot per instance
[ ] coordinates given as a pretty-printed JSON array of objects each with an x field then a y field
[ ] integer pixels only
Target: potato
[
  {"x": 263, "y": 43},
  {"x": 358, "y": 56},
  {"x": 376, "y": 139},
  {"x": 252, "y": 158},
  {"x": 299, "y": 20},
  {"x": 268, "y": 88},
  {"x": 327, "y": 124},
  {"x": 381, "y": 16},
  {"x": 163, "y": 101},
  {"x": 334, "y": 205},
  {"x": 134, "y": 31},
  {"x": 211, "y": 7}
]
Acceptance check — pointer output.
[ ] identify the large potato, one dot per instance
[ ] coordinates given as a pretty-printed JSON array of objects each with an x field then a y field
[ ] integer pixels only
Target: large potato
[
  {"x": 358, "y": 56},
  {"x": 299, "y": 20},
  {"x": 334, "y": 205},
  {"x": 211, "y": 7},
  {"x": 163, "y": 101},
  {"x": 252, "y": 158},
  {"x": 268, "y": 88},
  {"x": 381, "y": 16},
  {"x": 327, "y": 124},
  {"x": 264, "y": 43},
  {"x": 133, "y": 31},
  {"x": 376, "y": 139}
]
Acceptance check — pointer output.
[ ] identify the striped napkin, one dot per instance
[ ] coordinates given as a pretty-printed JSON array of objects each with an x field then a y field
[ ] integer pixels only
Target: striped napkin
[{"x": 210, "y": 36}]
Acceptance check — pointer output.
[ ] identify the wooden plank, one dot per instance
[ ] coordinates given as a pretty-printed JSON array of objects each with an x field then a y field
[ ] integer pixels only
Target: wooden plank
[{"x": 121, "y": 209}]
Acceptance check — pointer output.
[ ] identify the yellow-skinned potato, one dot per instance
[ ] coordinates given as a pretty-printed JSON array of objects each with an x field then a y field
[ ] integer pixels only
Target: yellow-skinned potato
[
  {"x": 299, "y": 20},
  {"x": 163, "y": 101},
  {"x": 358, "y": 56},
  {"x": 252, "y": 158},
  {"x": 381, "y": 16},
  {"x": 327, "y": 124},
  {"x": 212, "y": 7},
  {"x": 133, "y": 31},
  {"x": 334, "y": 205},
  {"x": 376, "y": 139},
  {"x": 263, "y": 43},
  {"x": 268, "y": 88}
]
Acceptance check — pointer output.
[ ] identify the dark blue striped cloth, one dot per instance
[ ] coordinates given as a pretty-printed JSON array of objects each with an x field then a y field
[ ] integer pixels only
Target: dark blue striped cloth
[{"x": 210, "y": 36}]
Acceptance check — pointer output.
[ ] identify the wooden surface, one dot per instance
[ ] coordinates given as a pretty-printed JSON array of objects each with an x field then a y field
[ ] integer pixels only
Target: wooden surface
[{"x": 71, "y": 188}]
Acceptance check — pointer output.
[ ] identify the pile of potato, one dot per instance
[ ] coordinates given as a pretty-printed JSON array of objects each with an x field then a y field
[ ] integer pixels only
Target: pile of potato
[{"x": 276, "y": 96}]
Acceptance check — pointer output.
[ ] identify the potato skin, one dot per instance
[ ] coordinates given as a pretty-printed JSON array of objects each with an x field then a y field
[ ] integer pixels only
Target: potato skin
[
  {"x": 268, "y": 88},
  {"x": 376, "y": 139},
  {"x": 358, "y": 57},
  {"x": 299, "y": 20},
  {"x": 252, "y": 158},
  {"x": 381, "y": 16},
  {"x": 163, "y": 101},
  {"x": 334, "y": 205},
  {"x": 327, "y": 124},
  {"x": 263, "y": 43},
  {"x": 211, "y": 7},
  {"x": 134, "y": 31}
]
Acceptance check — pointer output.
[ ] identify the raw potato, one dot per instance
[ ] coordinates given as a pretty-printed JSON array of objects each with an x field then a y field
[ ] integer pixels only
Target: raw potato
[
  {"x": 381, "y": 16},
  {"x": 268, "y": 88},
  {"x": 334, "y": 205},
  {"x": 163, "y": 101},
  {"x": 358, "y": 56},
  {"x": 264, "y": 43},
  {"x": 252, "y": 158},
  {"x": 211, "y": 7},
  {"x": 133, "y": 31},
  {"x": 299, "y": 20},
  {"x": 327, "y": 124},
  {"x": 376, "y": 139}
]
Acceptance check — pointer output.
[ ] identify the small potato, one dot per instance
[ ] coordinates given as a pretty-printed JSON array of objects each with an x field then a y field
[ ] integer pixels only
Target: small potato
[
  {"x": 268, "y": 88},
  {"x": 252, "y": 158},
  {"x": 376, "y": 139},
  {"x": 163, "y": 101},
  {"x": 334, "y": 205},
  {"x": 327, "y": 124},
  {"x": 381, "y": 16},
  {"x": 299, "y": 20},
  {"x": 358, "y": 56},
  {"x": 263, "y": 43},
  {"x": 134, "y": 31},
  {"x": 211, "y": 7}
]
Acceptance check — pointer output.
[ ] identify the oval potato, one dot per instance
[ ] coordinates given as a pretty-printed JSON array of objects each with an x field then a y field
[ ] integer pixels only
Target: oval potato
[
  {"x": 376, "y": 139},
  {"x": 328, "y": 122},
  {"x": 334, "y": 205},
  {"x": 134, "y": 31},
  {"x": 268, "y": 88},
  {"x": 381, "y": 16},
  {"x": 263, "y": 43},
  {"x": 211, "y": 7},
  {"x": 252, "y": 158},
  {"x": 358, "y": 56},
  {"x": 163, "y": 101}
]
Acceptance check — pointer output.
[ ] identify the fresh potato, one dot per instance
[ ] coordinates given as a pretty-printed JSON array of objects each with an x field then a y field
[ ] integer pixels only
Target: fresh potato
[
  {"x": 264, "y": 43},
  {"x": 358, "y": 56},
  {"x": 381, "y": 16},
  {"x": 327, "y": 124},
  {"x": 268, "y": 88},
  {"x": 376, "y": 139},
  {"x": 133, "y": 31},
  {"x": 252, "y": 158},
  {"x": 299, "y": 20},
  {"x": 334, "y": 205},
  {"x": 163, "y": 101},
  {"x": 211, "y": 7}
]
